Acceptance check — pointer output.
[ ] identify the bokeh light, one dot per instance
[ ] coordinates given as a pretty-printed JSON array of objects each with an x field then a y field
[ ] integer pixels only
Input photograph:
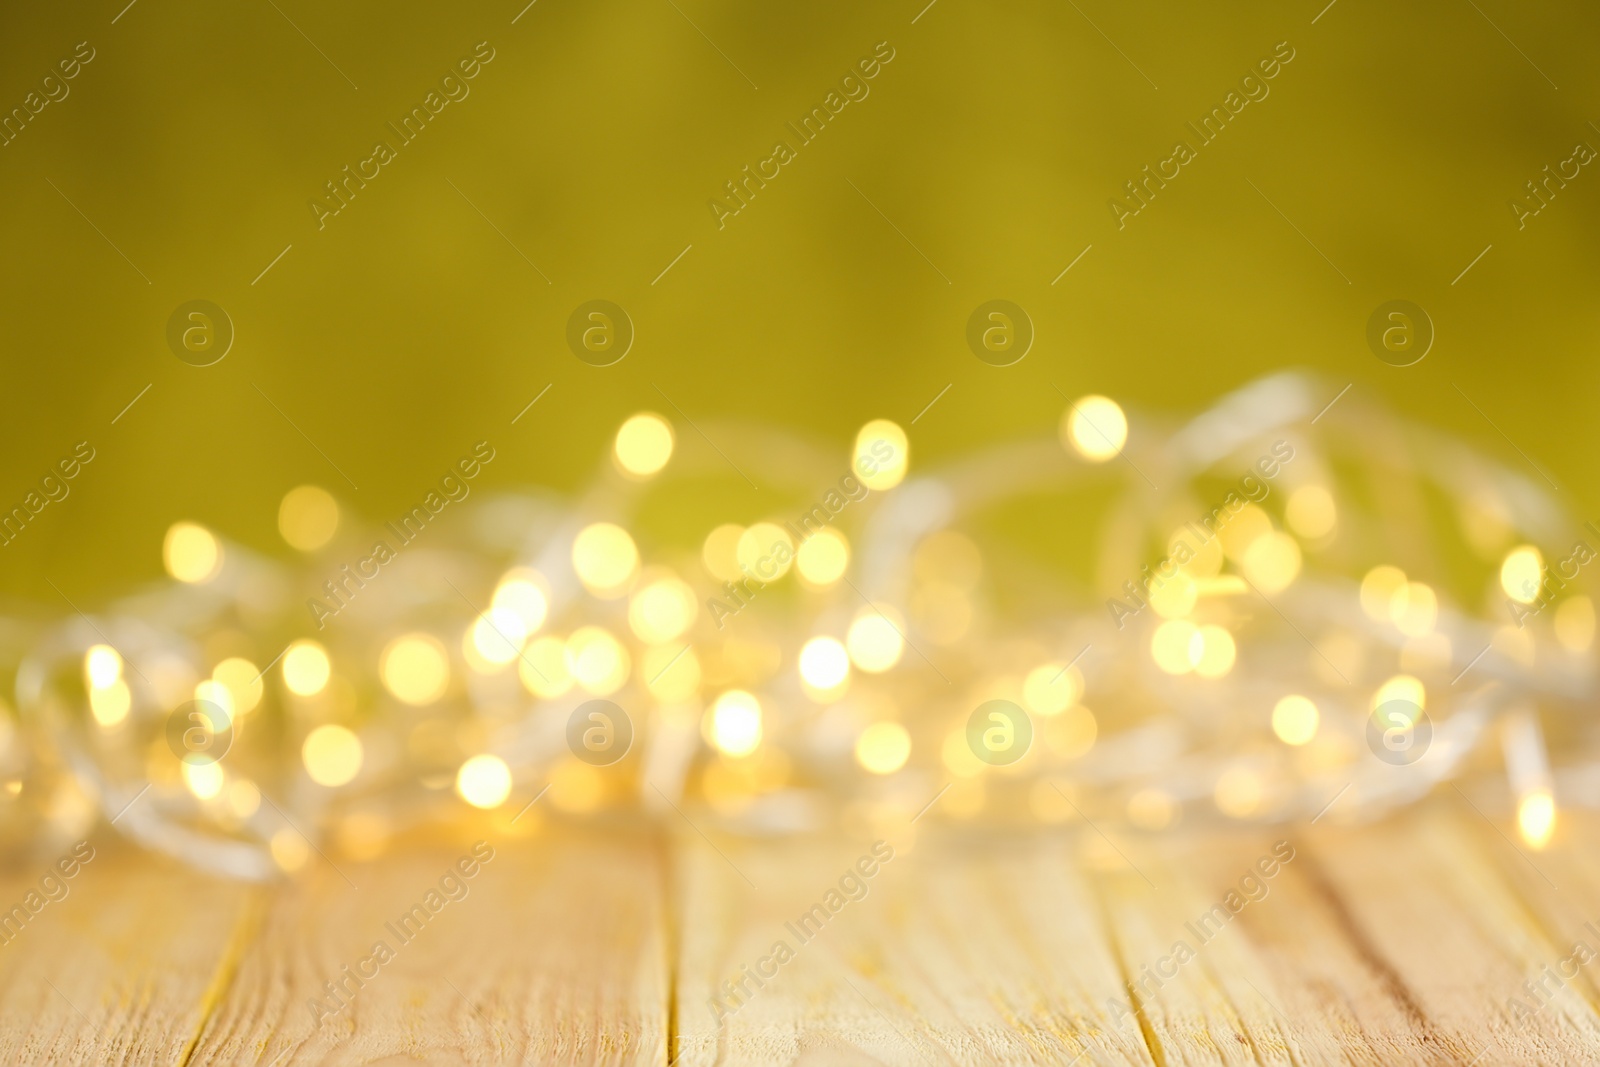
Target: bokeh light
[
  {"x": 332, "y": 755},
  {"x": 1095, "y": 428},
  {"x": 643, "y": 445},
  {"x": 191, "y": 553},
  {"x": 605, "y": 559},
  {"x": 415, "y": 668},
  {"x": 484, "y": 781},
  {"x": 308, "y": 517}
]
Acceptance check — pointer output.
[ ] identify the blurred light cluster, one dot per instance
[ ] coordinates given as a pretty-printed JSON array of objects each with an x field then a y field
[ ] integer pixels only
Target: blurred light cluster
[{"x": 1290, "y": 664}]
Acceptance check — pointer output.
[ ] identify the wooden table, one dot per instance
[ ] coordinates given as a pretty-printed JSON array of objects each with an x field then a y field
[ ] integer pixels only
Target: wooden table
[{"x": 1404, "y": 942}]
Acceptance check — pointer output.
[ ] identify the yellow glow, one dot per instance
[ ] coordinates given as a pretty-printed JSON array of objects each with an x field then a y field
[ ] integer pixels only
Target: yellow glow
[
  {"x": 605, "y": 559},
  {"x": 883, "y": 747},
  {"x": 597, "y": 661},
  {"x": 244, "y": 798},
  {"x": 1151, "y": 809},
  {"x": 1294, "y": 719},
  {"x": 1401, "y": 687},
  {"x": 1414, "y": 608},
  {"x": 1521, "y": 574},
  {"x": 289, "y": 850},
  {"x": 1175, "y": 597},
  {"x": 1212, "y": 651},
  {"x": 306, "y": 668},
  {"x": 662, "y": 610},
  {"x": 1272, "y": 562},
  {"x": 1095, "y": 428},
  {"x": 643, "y": 445},
  {"x": 1049, "y": 803},
  {"x": 1051, "y": 689},
  {"x": 204, "y": 780},
  {"x": 415, "y": 669},
  {"x": 824, "y": 664},
  {"x": 497, "y": 636},
  {"x": 308, "y": 517},
  {"x": 543, "y": 667},
  {"x": 733, "y": 724},
  {"x": 191, "y": 553},
  {"x": 1238, "y": 793},
  {"x": 332, "y": 755},
  {"x": 484, "y": 781},
  {"x": 1172, "y": 643},
  {"x": 1311, "y": 512},
  {"x": 102, "y": 665},
  {"x": 111, "y": 703},
  {"x": 948, "y": 558},
  {"x": 1536, "y": 818},
  {"x": 243, "y": 681},
  {"x": 882, "y": 455},
  {"x": 823, "y": 558},
  {"x": 766, "y": 551},
  {"x": 1574, "y": 624},
  {"x": 1247, "y": 527},
  {"x": 1378, "y": 589},
  {"x": 874, "y": 642},
  {"x": 720, "y": 553},
  {"x": 671, "y": 673},
  {"x": 522, "y": 591},
  {"x": 215, "y": 693}
]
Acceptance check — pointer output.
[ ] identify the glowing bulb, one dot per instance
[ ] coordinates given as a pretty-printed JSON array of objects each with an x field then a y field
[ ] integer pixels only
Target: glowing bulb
[
  {"x": 874, "y": 642},
  {"x": 824, "y": 664},
  {"x": 1401, "y": 687},
  {"x": 543, "y": 668},
  {"x": 484, "y": 781},
  {"x": 1237, "y": 793},
  {"x": 415, "y": 669},
  {"x": 203, "y": 779},
  {"x": 497, "y": 636},
  {"x": 766, "y": 551},
  {"x": 1378, "y": 589},
  {"x": 1212, "y": 651},
  {"x": 662, "y": 610},
  {"x": 308, "y": 517},
  {"x": 1414, "y": 608},
  {"x": 734, "y": 723},
  {"x": 522, "y": 591},
  {"x": 110, "y": 704},
  {"x": 1052, "y": 689},
  {"x": 597, "y": 661},
  {"x": 191, "y": 553},
  {"x": 883, "y": 747},
  {"x": 242, "y": 679},
  {"x": 720, "y": 553},
  {"x": 1536, "y": 818},
  {"x": 216, "y": 694},
  {"x": 1271, "y": 561},
  {"x": 1311, "y": 512},
  {"x": 882, "y": 455},
  {"x": 823, "y": 558},
  {"x": 605, "y": 559},
  {"x": 1521, "y": 574},
  {"x": 1294, "y": 719},
  {"x": 306, "y": 668},
  {"x": 332, "y": 755},
  {"x": 289, "y": 850},
  {"x": 102, "y": 665},
  {"x": 1095, "y": 428},
  {"x": 643, "y": 445},
  {"x": 1171, "y": 646}
]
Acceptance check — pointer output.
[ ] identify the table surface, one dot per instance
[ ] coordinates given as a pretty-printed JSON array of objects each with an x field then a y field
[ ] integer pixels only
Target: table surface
[{"x": 1433, "y": 938}]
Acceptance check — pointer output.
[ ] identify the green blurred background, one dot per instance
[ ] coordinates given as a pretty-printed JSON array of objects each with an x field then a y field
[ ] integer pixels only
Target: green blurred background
[{"x": 409, "y": 327}]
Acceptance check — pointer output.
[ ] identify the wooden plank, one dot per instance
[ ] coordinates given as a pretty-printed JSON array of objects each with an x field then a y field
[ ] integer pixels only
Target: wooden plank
[
  {"x": 120, "y": 969},
  {"x": 554, "y": 953},
  {"x": 965, "y": 948}
]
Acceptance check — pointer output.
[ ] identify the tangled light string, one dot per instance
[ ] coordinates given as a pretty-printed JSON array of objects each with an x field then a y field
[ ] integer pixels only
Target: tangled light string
[{"x": 1243, "y": 640}]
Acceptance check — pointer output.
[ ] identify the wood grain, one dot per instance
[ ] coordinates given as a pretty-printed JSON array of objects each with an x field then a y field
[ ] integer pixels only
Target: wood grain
[
  {"x": 121, "y": 970},
  {"x": 555, "y": 954}
]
